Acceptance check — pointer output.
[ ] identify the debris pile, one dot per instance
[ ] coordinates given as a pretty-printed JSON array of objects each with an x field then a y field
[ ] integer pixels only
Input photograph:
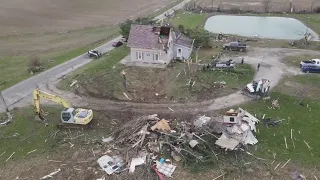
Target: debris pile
[
  {"x": 153, "y": 142},
  {"x": 238, "y": 126}
]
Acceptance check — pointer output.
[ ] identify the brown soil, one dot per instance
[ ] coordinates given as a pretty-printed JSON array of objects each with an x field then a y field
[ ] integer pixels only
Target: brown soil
[{"x": 40, "y": 26}]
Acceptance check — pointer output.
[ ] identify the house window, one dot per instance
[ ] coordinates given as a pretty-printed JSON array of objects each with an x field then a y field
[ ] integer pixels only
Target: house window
[
  {"x": 139, "y": 55},
  {"x": 231, "y": 119},
  {"x": 156, "y": 56}
]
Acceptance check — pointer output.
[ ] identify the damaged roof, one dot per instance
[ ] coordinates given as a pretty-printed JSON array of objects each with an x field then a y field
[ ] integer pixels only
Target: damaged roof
[
  {"x": 142, "y": 36},
  {"x": 183, "y": 40}
]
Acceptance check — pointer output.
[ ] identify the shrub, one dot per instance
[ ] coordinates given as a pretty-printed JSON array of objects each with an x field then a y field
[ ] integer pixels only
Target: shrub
[{"x": 35, "y": 65}]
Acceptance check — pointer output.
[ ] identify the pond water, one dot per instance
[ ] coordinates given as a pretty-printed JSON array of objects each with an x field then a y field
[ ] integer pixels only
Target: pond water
[{"x": 263, "y": 27}]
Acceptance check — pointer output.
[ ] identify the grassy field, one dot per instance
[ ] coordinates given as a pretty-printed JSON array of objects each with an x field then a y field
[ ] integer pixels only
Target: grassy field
[
  {"x": 295, "y": 60},
  {"x": 189, "y": 20},
  {"x": 302, "y": 119},
  {"x": 14, "y": 69},
  {"x": 102, "y": 79},
  {"x": 26, "y": 134}
]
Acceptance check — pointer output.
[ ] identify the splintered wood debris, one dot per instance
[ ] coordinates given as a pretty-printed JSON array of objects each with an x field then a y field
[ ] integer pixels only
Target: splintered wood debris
[{"x": 182, "y": 139}]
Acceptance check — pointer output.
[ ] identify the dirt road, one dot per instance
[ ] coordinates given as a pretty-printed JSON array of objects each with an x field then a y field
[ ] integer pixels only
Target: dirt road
[
  {"x": 20, "y": 94},
  {"x": 271, "y": 68}
]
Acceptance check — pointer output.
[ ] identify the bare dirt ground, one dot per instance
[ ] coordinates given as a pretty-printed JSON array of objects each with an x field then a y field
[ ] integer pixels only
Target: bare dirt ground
[
  {"x": 258, "y": 5},
  {"x": 41, "y": 26}
]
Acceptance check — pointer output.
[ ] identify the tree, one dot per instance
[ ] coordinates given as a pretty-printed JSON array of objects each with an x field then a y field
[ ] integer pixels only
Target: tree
[
  {"x": 266, "y": 4},
  {"x": 201, "y": 37},
  {"x": 181, "y": 28},
  {"x": 126, "y": 26}
]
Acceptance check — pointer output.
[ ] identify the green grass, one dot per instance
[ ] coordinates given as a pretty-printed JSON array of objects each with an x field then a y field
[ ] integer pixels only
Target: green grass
[
  {"x": 14, "y": 69},
  {"x": 97, "y": 67},
  {"x": 189, "y": 20},
  {"x": 102, "y": 78},
  {"x": 301, "y": 119},
  {"x": 25, "y": 134},
  {"x": 295, "y": 60}
]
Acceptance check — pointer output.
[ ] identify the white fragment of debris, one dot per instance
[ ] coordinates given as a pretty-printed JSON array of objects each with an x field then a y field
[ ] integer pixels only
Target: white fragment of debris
[
  {"x": 51, "y": 174},
  {"x": 250, "y": 139},
  {"x": 165, "y": 168},
  {"x": 73, "y": 83},
  {"x": 10, "y": 156},
  {"x": 238, "y": 129},
  {"x": 193, "y": 143},
  {"x": 125, "y": 94},
  {"x": 202, "y": 120},
  {"x": 226, "y": 142},
  {"x": 153, "y": 117},
  {"x": 136, "y": 162},
  {"x": 103, "y": 178},
  {"x": 170, "y": 109},
  {"x": 107, "y": 140},
  {"x": 32, "y": 151},
  {"x": 110, "y": 164}
]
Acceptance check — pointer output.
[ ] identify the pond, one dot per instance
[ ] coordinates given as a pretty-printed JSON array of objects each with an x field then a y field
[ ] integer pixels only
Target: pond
[{"x": 254, "y": 26}]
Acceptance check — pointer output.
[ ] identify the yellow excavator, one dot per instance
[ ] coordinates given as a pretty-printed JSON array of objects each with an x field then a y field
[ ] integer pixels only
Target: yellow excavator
[{"x": 69, "y": 115}]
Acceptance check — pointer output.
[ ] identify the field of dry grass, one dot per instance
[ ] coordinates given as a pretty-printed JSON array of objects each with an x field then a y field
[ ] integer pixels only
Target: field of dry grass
[
  {"x": 258, "y": 5},
  {"x": 34, "y": 26}
]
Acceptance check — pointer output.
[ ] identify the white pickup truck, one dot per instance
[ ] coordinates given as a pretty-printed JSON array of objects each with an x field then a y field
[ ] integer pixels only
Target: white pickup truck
[{"x": 310, "y": 66}]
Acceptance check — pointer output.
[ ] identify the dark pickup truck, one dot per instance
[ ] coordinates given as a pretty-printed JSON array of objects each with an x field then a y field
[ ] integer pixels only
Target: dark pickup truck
[{"x": 235, "y": 46}]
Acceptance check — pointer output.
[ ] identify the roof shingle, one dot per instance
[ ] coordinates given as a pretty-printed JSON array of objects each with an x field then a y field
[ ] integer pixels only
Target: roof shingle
[{"x": 142, "y": 36}]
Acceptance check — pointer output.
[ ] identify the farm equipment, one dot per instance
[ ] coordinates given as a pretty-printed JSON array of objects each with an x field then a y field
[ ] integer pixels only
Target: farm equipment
[
  {"x": 94, "y": 54},
  {"x": 257, "y": 90},
  {"x": 70, "y": 117}
]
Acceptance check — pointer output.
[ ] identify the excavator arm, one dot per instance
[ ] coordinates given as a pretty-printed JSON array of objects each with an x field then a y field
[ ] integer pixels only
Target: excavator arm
[{"x": 37, "y": 94}]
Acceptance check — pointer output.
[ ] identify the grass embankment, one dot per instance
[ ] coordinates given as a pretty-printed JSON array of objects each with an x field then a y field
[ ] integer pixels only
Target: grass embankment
[
  {"x": 14, "y": 69},
  {"x": 102, "y": 78}
]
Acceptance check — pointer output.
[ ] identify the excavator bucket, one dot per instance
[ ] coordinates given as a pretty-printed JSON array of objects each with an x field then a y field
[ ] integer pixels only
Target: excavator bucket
[{"x": 40, "y": 115}]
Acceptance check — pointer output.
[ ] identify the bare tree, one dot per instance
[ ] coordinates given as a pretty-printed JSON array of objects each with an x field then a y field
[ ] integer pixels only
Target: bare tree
[
  {"x": 266, "y": 4},
  {"x": 291, "y": 6},
  {"x": 312, "y": 5},
  {"x": 307, "y": 36}
]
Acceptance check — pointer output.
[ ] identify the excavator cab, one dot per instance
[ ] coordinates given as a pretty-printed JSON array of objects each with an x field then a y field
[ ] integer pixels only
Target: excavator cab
[{"x": 67, "y": 115}]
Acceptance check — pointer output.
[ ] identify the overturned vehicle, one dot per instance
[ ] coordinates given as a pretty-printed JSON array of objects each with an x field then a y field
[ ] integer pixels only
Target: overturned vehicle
[{"x": 257, "y": 89}]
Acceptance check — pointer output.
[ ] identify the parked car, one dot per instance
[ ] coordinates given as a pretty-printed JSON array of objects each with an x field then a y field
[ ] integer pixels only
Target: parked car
[
  {"x": 117, "y": 44},
  {"x": 94, "y": 54},
  {"x": 310, "y": 66},
  {"x": 235, "y": 46}
]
